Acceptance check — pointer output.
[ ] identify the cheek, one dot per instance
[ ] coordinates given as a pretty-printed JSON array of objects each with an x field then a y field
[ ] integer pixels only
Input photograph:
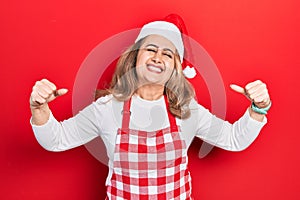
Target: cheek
[
  {"x": 170, "y": 66},
  {"x": 169, "y": 71},
  {"x": 141, "y": 59},
  {"x": 138, "y": 58}
]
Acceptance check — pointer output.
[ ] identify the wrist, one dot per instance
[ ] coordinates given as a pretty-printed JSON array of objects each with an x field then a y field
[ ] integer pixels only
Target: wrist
[
  {"x": 259, "y": 110},
  {"x": 40, "y": 115},
  {"x": 256, "y": 116}
]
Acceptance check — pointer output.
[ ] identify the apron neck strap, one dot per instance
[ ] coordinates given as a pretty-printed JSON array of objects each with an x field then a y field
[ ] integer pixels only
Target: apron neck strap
[
  {"x": 171, "y": 117},
  {"x": 126, "y": 115}
]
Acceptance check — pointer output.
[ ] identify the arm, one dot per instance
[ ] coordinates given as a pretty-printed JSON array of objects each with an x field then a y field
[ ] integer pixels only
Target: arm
[
  {"x": 242, "y": 133},
  {"x": 75, "y": 131},
  {"x": 232, "y": 137},
  {"x": 54, "y": 135}
]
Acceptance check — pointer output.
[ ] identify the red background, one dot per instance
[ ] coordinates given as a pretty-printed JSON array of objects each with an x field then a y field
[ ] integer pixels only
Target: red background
[{"x": 247, "y": 39}]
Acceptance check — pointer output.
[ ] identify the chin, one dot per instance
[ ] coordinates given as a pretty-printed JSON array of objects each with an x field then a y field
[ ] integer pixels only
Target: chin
[{"x": 153, "y": 81}]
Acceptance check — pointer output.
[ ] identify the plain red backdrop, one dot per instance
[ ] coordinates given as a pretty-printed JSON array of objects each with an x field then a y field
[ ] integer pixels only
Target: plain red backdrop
[{"x": 247, "y": 39}]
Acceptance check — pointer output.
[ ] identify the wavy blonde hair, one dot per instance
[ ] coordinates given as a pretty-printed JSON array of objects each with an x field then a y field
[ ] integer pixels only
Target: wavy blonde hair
[{"x": 125, "y": 83}]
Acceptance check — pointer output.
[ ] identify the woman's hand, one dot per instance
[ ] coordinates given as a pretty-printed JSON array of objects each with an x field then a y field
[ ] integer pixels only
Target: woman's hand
[
  {"x": 43, "y": 92},
  {"x": 257, "y": 93}
]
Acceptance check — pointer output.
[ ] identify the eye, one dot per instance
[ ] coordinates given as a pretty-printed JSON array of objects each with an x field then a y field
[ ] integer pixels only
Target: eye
[
  {"x": 151, "y": 49},
  {"x": 168, "y": 54}
]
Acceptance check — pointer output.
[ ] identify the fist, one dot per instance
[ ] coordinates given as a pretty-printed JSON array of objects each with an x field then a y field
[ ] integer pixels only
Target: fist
[
  {"x": 256, "y": 92},
  {"x": 43, "y": 92}
]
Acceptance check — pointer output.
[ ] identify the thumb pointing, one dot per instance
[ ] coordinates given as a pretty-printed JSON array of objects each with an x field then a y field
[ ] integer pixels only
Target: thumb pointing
[
  {"x": 237, "y": 88},
  {"x": 60, "y": 92}
]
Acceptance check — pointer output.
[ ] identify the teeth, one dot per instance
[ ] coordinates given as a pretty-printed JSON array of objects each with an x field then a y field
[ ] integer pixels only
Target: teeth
[{"x": 156, "y": 69}]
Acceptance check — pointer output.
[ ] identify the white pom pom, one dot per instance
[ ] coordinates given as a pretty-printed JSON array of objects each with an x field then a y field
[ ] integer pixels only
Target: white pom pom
[{"x": 189, "y": 72}]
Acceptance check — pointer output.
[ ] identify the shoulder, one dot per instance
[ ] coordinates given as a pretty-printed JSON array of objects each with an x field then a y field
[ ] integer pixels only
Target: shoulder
[
  {"x": 108, "y": 104},
  {"x": 194, "y": 105},
  {"x": 197, "y": 110},
  {"x": 104, "y": 99},
  {"x": 103, "y": 104}
]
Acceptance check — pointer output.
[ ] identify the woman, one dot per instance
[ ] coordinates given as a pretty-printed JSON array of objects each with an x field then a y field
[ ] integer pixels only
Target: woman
[{"x": 148, "y": 119}]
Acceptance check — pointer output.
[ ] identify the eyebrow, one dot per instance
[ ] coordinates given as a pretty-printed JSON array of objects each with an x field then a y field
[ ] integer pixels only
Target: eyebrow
[{"x": 165, "y": 49}]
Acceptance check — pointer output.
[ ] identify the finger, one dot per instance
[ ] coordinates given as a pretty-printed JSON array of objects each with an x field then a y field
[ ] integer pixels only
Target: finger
[
  {"x": 257, "y": 88},
  {"x": 36, "y": 98},
  {"x": 266, "y": 100},
  {"x": 60, "y": 92},
  {"x": 42, "y": 90},
  {"x": 237, "y": 88},
  {"x": 43, "y": 93},
  {"x": 257, "y": 93},
  {"x": 49, "y": 84},
  {"x": 43, "y": 87},
  {"x": 263, "y": 98},
  {"x": 252, "y": 84}
]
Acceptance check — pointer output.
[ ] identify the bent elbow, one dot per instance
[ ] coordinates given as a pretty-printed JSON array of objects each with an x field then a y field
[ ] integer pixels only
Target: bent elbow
[
  {"x": 50, "y": 148},
  {"x": 241, "y": 146}
]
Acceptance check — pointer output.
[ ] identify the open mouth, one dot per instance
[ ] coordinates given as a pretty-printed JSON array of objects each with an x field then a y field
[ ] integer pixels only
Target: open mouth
[{"x": 156, "y": 69}]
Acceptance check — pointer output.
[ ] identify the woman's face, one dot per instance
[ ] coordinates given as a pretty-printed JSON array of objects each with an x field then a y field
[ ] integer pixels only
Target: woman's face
[{"x": 155, "y": 60}]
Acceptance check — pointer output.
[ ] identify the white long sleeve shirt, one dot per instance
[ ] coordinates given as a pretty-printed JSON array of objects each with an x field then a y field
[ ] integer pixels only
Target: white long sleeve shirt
[{"x": 104, "y": 116}]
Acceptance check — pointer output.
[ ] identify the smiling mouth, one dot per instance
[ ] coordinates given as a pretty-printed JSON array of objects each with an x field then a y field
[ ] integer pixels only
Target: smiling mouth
[{"x": 154, "y": 68}]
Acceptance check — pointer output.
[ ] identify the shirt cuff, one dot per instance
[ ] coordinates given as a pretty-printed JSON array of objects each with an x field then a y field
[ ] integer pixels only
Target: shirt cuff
[{"x": 254, "y": 123}]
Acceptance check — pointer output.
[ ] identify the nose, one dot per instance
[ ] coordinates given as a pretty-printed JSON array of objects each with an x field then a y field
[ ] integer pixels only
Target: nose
[{"x": 157, "y": 57}]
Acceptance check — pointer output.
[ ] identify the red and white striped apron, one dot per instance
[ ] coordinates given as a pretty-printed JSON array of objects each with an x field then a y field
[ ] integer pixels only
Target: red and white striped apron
[{"x": 149, "y": 165}]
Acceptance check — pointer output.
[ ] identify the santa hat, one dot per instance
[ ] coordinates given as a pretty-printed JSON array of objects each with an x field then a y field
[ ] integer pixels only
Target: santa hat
[{"x": 173, "y": 28}]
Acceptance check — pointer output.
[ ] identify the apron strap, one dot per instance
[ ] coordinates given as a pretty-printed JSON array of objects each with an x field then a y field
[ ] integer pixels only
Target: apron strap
[
  {"x": 172, "y": 119},
  {"x": 126, "y": 115}
]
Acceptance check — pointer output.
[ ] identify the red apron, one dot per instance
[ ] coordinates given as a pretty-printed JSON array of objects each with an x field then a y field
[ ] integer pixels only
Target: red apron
[{"x": 149, "y": 165}]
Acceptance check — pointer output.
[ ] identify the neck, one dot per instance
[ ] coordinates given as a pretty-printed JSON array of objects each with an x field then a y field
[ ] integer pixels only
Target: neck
[{"x": 150, "y": 92}]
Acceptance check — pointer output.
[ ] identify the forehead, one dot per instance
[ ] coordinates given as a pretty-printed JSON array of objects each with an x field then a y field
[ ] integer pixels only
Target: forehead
[{"x": 159, "y": 41}]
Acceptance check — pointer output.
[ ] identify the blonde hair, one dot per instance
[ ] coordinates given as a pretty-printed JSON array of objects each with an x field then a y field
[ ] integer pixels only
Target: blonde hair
[{"x": 125, "y": 83}]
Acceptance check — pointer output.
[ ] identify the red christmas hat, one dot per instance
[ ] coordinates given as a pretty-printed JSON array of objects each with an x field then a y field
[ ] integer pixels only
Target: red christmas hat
[
  {"x": 188, "y": 69},
  {"x": 173, "y": 28}
]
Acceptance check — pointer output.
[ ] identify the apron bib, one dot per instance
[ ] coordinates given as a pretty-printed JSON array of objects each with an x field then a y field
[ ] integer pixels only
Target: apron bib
[{"x": 149, "y": 165}]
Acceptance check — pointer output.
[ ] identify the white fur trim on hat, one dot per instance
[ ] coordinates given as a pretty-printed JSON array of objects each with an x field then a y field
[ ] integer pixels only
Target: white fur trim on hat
[
  {"x": 165, "y": 29},
  {"x": 189, "y": 72}
]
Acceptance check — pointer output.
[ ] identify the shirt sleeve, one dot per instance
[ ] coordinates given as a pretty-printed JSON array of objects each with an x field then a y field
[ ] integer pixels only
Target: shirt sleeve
[
  {"x": 70, "y": 133},
  {"x": 233, "y": 137}
]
